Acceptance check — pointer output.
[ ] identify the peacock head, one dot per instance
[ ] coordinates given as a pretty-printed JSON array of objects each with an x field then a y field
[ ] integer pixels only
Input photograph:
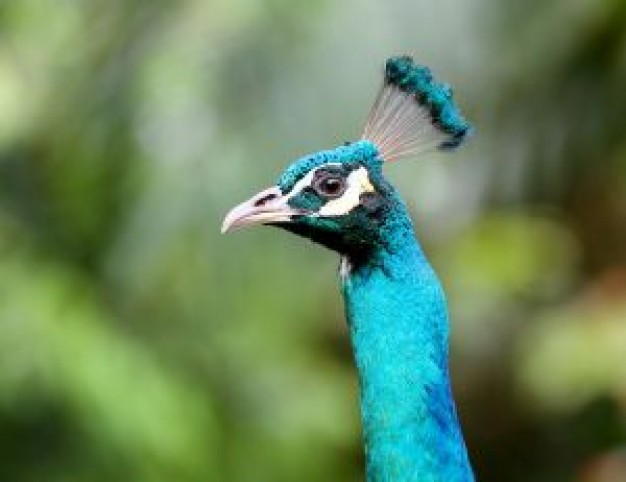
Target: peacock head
[{"x": 340, "y": 198}]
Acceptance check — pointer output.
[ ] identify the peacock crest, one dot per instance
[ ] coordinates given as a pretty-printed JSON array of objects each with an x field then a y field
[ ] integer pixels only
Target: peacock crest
[{"x": 413, "y": 113}]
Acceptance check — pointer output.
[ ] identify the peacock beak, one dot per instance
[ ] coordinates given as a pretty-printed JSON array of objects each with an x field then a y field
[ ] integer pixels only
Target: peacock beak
[{"x": 268, "y": 206}]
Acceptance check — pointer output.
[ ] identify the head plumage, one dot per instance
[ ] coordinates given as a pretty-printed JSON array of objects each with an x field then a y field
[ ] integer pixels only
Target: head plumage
[{"x": 413, "y": 113}]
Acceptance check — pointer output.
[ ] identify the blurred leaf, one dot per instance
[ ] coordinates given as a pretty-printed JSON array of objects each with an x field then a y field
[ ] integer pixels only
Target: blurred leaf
[{"x": 575, "y": 354}]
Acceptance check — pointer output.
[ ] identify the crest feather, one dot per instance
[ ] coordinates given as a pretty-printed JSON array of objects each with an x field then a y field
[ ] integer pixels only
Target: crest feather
[{"x": 413, "y": 113}]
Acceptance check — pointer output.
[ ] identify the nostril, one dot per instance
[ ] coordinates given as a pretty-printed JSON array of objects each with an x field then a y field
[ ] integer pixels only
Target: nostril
[{"x": 265, "y": 199}]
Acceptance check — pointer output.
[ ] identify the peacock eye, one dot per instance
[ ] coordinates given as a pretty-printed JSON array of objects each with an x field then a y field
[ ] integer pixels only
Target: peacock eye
[{"x": 330, "y": 186}]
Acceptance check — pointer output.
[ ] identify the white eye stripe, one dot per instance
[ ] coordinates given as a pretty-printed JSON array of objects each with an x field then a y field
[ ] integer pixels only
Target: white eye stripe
[
  {"x": 302, "y": 184},
  {"x": 307, "y": 180},
  {"x": 358, "y": 183}
]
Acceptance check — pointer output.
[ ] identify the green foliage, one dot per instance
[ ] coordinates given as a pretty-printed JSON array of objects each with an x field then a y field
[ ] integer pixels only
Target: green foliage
[{"x": 136, "y": 344}]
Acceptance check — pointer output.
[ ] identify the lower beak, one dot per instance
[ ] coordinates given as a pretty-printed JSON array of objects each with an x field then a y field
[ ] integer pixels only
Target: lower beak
[{"x": 268, "y": 206}]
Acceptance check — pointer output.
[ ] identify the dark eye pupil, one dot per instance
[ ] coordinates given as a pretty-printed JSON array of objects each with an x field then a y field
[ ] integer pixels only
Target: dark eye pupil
[{"x": 331, "y": 186}]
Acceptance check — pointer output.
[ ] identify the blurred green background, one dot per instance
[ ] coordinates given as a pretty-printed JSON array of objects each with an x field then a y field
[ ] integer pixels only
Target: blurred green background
[{"x": 139, "y": 345}]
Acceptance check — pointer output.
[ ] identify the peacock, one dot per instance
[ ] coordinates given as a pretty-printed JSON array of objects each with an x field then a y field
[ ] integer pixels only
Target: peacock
[{"x": 394, "y": 303}]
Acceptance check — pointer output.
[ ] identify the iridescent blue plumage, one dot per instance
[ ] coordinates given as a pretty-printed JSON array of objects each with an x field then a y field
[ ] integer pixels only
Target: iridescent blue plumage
[
  {"x": 350, "y": 153},
  {"x": 395, "y": 306},
  {"x": 437, "y": 98},
  {"x": 398, "y": 322}
]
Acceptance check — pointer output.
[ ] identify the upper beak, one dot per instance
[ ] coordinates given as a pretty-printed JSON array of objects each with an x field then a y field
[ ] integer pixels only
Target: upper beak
[{"x": 268, "y": 206}]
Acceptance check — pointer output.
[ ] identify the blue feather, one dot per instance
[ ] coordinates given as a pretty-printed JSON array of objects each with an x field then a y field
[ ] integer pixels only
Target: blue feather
[
  {"x": 395, "y": 306},
  {"x": 396, "y": 312},
  {"x": 438, "y": 98},
  {"x": 398, "y": 323}
]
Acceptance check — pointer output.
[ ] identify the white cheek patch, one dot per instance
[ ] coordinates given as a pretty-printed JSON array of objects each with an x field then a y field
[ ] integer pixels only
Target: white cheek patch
[{"x": 358, "y": 183}]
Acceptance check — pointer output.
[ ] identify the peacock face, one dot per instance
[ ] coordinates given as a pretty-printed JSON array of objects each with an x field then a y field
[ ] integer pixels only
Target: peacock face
[{"x": 337, "y": 198}]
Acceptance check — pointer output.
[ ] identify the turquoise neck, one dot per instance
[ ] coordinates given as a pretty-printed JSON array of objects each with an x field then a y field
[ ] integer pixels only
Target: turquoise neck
[{"x": 398, "y": 323}]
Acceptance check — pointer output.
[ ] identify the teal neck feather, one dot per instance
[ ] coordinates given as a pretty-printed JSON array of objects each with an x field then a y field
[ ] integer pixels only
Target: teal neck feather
[{"x": 398, "y": 323}]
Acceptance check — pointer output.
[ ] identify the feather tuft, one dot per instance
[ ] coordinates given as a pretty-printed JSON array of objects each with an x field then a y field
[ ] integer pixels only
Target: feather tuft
[{"x": 413, "y": 113}]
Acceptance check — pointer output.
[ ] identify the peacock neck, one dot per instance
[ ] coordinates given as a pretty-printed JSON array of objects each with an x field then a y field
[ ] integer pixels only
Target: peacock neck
[{"x": 398, "y": 323}]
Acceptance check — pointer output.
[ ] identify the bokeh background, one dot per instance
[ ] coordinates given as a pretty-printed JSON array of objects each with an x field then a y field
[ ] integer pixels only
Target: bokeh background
[{"x": 138, "y": 344}]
